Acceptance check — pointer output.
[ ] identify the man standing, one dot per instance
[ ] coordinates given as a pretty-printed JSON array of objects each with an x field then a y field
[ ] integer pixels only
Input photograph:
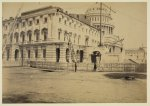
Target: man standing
[
  {"x": 95, "y": 67},
  {"x": 75, "y": 66}
]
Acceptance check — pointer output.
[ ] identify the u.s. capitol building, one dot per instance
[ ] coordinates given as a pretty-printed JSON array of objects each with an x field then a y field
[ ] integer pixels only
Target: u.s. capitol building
[{"x": 51, "y": 35}]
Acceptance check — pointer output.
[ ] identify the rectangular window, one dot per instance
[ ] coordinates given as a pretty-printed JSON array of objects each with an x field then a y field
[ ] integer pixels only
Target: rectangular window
[
  {"x": 23, "y": 38},
  {"x": 6, "y": 27},
  {"x": 37, "y": 21},
  {"x": 44, "y": 53},
  {"x": 36, "y": 53},
  {"x": 70, "y": 24},
  {"x": 16, "y": 39},
  {"x": 59, "y": 35},
  {"x": 8, "y": 54},
  {"x": 17, "y": 25},
  {"x": 45, "y": 20},
  {"x": 37, "y": 37},
  {"x": 28, "y": 53},
  {"x": 65, "y": 22},
  {"x": 59, "y": 19},
  {"x": 30, "y": 23},
  {"x": 23, "y": 24}
]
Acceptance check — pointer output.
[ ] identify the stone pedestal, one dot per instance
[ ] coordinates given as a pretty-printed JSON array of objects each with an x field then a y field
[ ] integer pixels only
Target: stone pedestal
[
  {"x": 12, "y": 54},
  {"x": 24, "y": 53},
  {"x": 51, "y": 53},
  {"x": 40, "y": 54},
  {"x": 70, "y": 59},
  {"x": 62, "y": 54},
  {"x": 32, "y": 54},
  {"x": 85, "y": 55}
]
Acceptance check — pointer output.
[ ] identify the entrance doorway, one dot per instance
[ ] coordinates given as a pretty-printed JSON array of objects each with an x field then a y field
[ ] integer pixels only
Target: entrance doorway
[
  {"x": 93, "y": 58},
  {"x": 96, "y": 57},
  {"x": 81, "y": 55},
  {"x": 67, "y": 55},
  {"x": 16, "y": 54}
]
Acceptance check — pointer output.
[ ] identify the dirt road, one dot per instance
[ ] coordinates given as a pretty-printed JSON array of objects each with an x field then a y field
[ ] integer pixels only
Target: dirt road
[{"x": 39, "y": 86}]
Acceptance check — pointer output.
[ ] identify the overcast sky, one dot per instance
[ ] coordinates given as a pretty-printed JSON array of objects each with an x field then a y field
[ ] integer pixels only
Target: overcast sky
[{"x": 130, "y": 19}]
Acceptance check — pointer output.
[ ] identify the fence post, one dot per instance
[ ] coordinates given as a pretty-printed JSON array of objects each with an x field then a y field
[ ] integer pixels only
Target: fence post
[
  {"x": 111, "y": 66},
  {"x": 87, "y": 66},
  {"x": 123, "y": 67}
]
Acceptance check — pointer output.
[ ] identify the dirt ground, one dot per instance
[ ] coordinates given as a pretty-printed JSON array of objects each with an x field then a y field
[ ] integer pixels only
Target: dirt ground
[{"x": 31, "y": 85}]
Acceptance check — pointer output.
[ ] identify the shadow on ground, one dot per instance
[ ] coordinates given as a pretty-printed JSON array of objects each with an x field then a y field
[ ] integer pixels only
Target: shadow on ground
[
  {"x": 16, "y": 99},
  {"x": 47, "y": 70},
  {"x": 20, "y": 99},
  {"x": 123, "y": 75}
]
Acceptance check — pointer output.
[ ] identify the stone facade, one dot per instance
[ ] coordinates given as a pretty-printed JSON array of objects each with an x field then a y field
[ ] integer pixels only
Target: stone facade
[
  {"x": 51, "y": 35},
  {"x": 137, "y": 55}
]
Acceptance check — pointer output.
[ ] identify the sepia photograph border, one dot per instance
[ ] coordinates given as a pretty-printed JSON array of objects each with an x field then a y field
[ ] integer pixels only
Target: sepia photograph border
[{"x": 87, "y": 104}]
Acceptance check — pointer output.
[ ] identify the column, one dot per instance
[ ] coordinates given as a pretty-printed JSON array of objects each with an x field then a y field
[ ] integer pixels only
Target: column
[{"x": 49, "y": 27}]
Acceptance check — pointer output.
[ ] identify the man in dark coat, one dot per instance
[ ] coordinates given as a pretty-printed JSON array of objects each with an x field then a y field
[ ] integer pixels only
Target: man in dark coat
[
  {"x": 75, "y": 66},
  {"x": 95, "y": 67}
]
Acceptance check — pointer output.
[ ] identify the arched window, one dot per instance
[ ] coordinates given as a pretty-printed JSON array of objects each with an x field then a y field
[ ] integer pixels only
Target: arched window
[
  {"x": 59, "y": 33},
  {"x": 65, "y": 35},
  {"x": 29, "y": 33},
  {"x": 37, "y": 34},
  {"x": 23, "y": 36},
  {"x": 45, "y": 33},
  {"x": 16, "y": 36}
]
